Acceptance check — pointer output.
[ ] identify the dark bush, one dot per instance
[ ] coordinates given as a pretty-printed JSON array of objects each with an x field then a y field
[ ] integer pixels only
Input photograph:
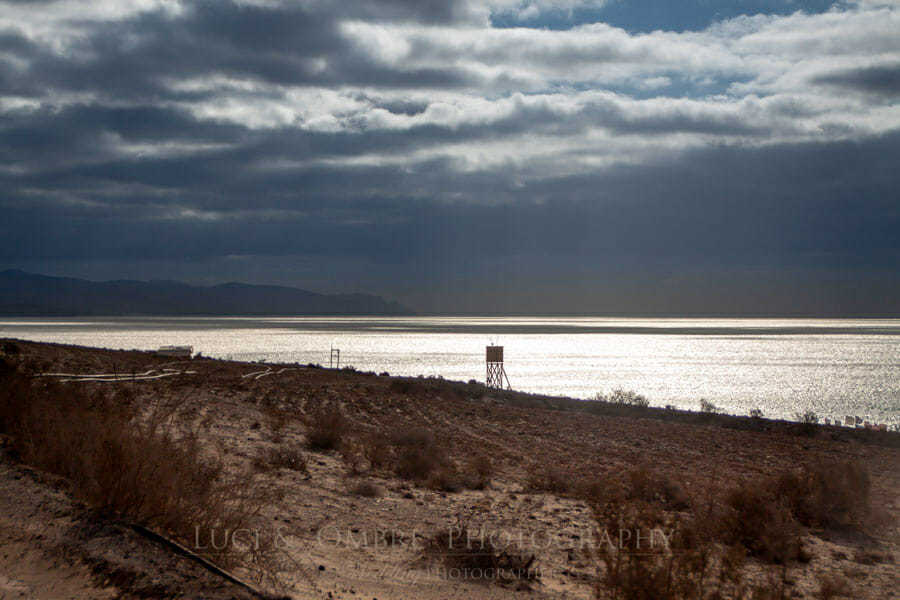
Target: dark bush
[
  {"x": 327, "y": 428},
  {"x": 126, "y": 463},
  {"x": 645, "y": 484},
  {"x": 762, "y": 524},
  {"x": 478, "y": 472},
  {"x": 365, "y": 489},
  {"x": 827, "y": 494},
  {"x": 475, "y": 557},
  {"x": 281, "y": 457},
  {"x": 552, "y": 479},
  {"x": 418, "y": 454}
]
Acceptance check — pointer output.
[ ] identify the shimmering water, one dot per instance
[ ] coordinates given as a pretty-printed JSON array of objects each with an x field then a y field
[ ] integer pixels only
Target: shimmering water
[{"x": 781, "y": 366}]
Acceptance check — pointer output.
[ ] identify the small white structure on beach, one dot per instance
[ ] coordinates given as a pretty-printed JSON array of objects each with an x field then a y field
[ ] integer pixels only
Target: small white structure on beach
[{"x": 176, "y": 351}]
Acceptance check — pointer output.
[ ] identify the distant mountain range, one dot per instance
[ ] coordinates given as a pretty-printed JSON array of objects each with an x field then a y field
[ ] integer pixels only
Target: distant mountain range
[{"x": 29, "y": 294}]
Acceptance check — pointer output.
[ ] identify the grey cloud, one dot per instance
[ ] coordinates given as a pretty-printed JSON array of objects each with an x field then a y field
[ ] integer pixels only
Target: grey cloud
[
  {"x": 418, "y": 195},
  {"x": 135, "y": 58},
  {"x": 883, "y": 80}
]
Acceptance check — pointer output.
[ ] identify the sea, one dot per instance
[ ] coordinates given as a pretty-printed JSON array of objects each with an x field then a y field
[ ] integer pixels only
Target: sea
[{"x": 783, "y": 367}]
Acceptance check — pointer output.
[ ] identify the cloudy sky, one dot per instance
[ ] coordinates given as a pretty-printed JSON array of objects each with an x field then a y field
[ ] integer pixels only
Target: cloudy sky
[{"x": 469, "y": 156}]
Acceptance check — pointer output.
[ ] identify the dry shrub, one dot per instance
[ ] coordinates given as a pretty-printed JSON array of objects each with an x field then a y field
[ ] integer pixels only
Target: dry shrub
[
  {"x": 327, "y": 428},
  {"x": 766, "y": 515},
  {"x": 646, "y": 555},
  {"x": 377, "y": 451},
  {"x": 418, "y": 454},
  {"x": 404, "y": 386},
  {"x": 475, "y": 475},
  {"x": 476, "y": 557},
  {"x": 365, "y": 489},
  {"x": 834, "y": 586},
  {"x": 282, "y": 457},
  {"x": 553, "y": 480},
  {"x": 128, "y": 464},
  {"x": 870, "y": 557},
  {"x": 827, "y": 494},
  {"x": 600, "y": 489},
  {"x": 757, "y": 520},
  {"x": 645, "y": 484},
  {"x": 446, "y": 478},
  {"x": 352, "y": 455},
  {"x": 478, "y": 472},
  {"x": 276, "y": 417}
]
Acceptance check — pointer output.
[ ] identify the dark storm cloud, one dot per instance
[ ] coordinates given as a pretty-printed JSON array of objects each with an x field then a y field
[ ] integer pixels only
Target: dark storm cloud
[
  {"x": 882, "y": 79},
  {"x": 812, "y": 204},
  {"x": 400, "y": 136},
  {"x": 138, "y": 56}
]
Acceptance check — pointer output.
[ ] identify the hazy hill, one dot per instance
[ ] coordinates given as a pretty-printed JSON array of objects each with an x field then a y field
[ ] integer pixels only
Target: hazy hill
[{"x": 24, "y": 293}]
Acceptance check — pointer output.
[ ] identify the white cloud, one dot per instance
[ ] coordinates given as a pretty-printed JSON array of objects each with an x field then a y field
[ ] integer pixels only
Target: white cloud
[{"x": 554, "y": 98}]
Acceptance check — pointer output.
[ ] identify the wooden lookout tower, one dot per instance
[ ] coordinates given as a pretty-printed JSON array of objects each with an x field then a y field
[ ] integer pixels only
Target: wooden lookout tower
[{"x": 496, "y": 374}]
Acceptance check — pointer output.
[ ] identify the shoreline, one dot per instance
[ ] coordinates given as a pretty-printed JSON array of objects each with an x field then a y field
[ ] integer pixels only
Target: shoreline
[
  {"x": 671, "y": 412},
  {"x": 550, "y": 461}
]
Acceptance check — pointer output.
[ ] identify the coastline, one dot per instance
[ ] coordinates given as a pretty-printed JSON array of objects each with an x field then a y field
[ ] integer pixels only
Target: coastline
[{"x": 244, "y": 410}]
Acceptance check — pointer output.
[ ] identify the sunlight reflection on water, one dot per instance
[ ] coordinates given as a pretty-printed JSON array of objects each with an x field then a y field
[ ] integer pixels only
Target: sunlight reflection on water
[{"x": 782, "y": 366}]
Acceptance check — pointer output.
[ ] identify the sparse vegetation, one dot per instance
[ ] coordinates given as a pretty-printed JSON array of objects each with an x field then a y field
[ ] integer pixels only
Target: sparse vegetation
[
  {"x": 418, "y": 454},
  {"x": 714, "y": 531},
  {"x": 758, "y": 521},
  {"x": 327, "y": 428},
  {"x": 478, "y": 472},
  {"x": 651, "y": 486},
  {"x": 827, "y": 494},
  {"x": 834, "y": 586},
  {"x": 707, "y": 407},
  {"x": 281, "y": 457},
  {"x": 365, "y": 489},
  {"x": 377, "y": 451},
  {"x": 809, "y": 417},
  {"x": 471, "y": 555},
  {"x": 623, "y": 397},
  {"x": 808, "y": 422},
  {"x": 129, "y": 464},
  {"x": 552, "y": 479}
]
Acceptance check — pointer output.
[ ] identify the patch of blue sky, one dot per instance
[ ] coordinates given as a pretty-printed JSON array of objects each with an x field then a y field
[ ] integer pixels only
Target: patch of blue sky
[{"x": 642, "y": 16}]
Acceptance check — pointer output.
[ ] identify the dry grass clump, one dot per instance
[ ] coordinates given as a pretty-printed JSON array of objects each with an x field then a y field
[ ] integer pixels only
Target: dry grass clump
[
  {"x": 645, "y": 554},
  {"x": 418, "y": 454},
  {"x": 327, "y": 428},
  {"x": 834, "y": 586},
  {"x": 473, "y": 556},
  {"x": 276, "y": 417},
  {"x": 827, "y": 494},
  {"x": 646, "y": 484},
  {"x": 128, "y": 463},
  {"x": 478, "y": 472},
  {"x": 705, "y": 549},
  {"x": 281, "y": 457},
  {"x": 766, "y": 516},
  {"x": 376, "y": 449},
  {"x": 365, "y": 489},
  {"x": 352, "y": 454},
  {"x": 552, "y": 479},
  {"x": 758, "y": 521}
]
